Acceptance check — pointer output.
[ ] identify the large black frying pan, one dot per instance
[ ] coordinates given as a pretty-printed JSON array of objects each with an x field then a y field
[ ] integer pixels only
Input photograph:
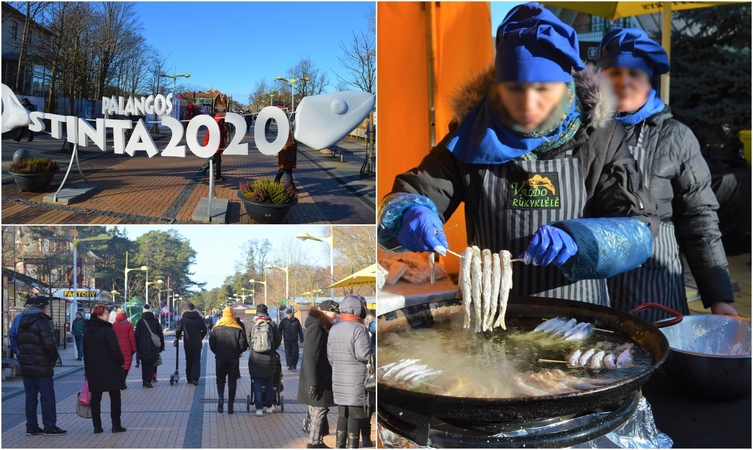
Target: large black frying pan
[{"x": 526, "y": 408}]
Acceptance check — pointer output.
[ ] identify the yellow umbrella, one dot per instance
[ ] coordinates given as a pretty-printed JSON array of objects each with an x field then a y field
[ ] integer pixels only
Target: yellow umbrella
[
  {"x": 619, "y": 10},
  {"x": 364, "y": 277}
]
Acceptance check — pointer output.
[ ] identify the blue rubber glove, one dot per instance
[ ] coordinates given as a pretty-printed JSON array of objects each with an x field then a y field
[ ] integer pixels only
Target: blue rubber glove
[
  {"x": 549, "y": 245},
  {"x": 422, "y": 231}
]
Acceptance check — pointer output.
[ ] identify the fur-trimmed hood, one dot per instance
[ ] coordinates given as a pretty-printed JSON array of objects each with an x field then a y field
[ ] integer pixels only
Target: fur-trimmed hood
[
  {"x": 320, "y": 317},
  {"x": 598, "y": 102}
]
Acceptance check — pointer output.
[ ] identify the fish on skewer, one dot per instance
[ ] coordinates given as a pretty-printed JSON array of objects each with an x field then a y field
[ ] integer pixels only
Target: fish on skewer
[
  {"x": 465, "y": 284},
  {"x": 496, "y": 285},
  {"x": 476, "y": 275},
  {"x": 389, "y": 370},
  {"x": 486, "y": 286},
  {"x": 568, "y": 329},
  {"x": 505, "y": 287}
]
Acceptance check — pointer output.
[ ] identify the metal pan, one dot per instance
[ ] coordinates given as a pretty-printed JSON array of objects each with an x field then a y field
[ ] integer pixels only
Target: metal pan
[{"x": 624, "y": 324}]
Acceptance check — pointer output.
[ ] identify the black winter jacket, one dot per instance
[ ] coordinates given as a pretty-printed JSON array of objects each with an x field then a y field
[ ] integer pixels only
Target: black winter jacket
[
  {"x": 147, "y": 351},
  {"x": 291, "y": 329},
  {"x": 38, "y": 351},
  {"x": 611, "y": 175},
  {"x": 315, "y": 368},
  {"x": 263, "y": 365},
  {"x": 103, "y": 360},
  {"x": 680, "y": 181},
  {"x": 193, "y": 329},
  {"x": 227, "y": 343}
]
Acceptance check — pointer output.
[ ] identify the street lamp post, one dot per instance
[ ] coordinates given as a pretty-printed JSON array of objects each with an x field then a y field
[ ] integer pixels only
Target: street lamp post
[
  {"x": 74, "y": 243},
  {"x": 125, "y": 295},
  {"x": 175, "y": 78},
  {"x": 292, "y": 90},
  {"x": 265, "y": 287},
  {"x": 331, "y": 241},
  {"x": 284, "y": 269},
  {"x": 146, "y": 287}
]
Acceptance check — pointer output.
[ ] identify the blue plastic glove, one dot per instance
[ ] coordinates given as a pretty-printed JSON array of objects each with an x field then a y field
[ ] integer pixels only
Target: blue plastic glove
[
  {"x": 422, "y": 231},
  {"x": 549, "y": 245}
]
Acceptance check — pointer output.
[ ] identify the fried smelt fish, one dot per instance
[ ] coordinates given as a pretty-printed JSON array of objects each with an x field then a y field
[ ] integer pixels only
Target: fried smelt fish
[
  {"x": 465, "y": 284},
  {"x": 505, "y": 287},
  {"x": 486, "y": 283},
  {"x": 476, "y": 276},
  {"x": 496, "y": 284}
]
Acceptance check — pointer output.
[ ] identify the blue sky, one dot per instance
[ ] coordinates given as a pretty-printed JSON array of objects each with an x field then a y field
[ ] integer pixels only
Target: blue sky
[
  {"x": 499, "y": 10},
  {"x": 216, "y": 256},
  {"x": 230, "y": 45}
]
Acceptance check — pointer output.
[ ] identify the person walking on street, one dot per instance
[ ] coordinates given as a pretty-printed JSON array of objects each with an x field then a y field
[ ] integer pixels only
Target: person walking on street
[
  {"x": 148, "y": 351},
  {"x": 103, "y": 367},
  {"x": 315, "y": 382},
  {"x": 13, "y": 332},
  {"x": 77, "y": 330},
  {"x": 31, "y": 108},
  {"x": 264, "y": 340},
  {"x": 228, "y": 342},
  {"x": 192, "y": 326},
  {"x": 348, "y": 351},
  {"x": 37, "y": 354},
  {"x": 370, "y": 323},
  {"x": 127, "y": 341},
  {"x": 287, "y": 158},
  {"x": 292, "y": 333}
]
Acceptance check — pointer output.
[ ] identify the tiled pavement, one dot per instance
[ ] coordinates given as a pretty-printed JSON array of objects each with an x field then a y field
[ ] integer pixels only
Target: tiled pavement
[
  {"x": 167, "y": 190},
  {"x": 177, "y": 416}
]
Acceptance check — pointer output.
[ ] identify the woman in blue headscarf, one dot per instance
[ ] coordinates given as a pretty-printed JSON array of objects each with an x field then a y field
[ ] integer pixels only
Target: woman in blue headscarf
[
  {"x": 676, "y": 175},
  {"x": 541, "y": 165}
]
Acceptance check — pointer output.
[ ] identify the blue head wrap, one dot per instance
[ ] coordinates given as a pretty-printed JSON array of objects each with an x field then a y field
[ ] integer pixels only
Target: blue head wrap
[
  {"x": 631, "y": 47},
  {"x": 534, "y": 46}
]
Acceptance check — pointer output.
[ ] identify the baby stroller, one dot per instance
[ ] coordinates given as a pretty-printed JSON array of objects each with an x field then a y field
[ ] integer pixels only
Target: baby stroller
[{"x": 277, "y": 398}]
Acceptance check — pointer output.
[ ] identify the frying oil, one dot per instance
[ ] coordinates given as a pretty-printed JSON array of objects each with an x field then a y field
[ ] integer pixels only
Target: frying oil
[{"x": 486, "y": 365}]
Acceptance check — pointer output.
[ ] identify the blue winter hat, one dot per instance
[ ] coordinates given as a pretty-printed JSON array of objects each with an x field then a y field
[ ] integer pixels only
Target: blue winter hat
[
  {"x": 534, "y": 46},
  {"x": 631, "y": 47}
]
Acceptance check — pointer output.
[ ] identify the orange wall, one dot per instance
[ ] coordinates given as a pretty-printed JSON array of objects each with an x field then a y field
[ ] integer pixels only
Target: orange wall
[{"x": 459, "y": 36}]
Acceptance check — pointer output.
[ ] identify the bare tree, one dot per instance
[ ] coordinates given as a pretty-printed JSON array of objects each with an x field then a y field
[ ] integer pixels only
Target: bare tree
[
  {"x": 359, "y": 62},
  {"x": 32, "y": 11},
  {"x": 311, "y": 80},
  {"x": 354, "y": 250},
  {"x": 116, "y": 31}
]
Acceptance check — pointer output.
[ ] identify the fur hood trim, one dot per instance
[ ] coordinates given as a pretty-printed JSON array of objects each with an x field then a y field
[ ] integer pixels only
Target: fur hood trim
[
  {"x": 323, "y": 320},
  {"x": 593, "y": 90}
]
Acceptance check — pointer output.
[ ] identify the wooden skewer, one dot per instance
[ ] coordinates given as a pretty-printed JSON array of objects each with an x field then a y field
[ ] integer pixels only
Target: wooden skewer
[
  {"x": 541, "y": 360},
  {"x": 453, "y": 253}
]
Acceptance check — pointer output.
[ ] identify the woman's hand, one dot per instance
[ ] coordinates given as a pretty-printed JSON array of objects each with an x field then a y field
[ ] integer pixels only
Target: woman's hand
[{"x": 549, "y": 245}]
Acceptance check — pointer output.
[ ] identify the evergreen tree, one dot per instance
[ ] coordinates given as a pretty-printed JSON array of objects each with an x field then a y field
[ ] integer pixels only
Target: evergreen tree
[{"x": 710, "y": 74}]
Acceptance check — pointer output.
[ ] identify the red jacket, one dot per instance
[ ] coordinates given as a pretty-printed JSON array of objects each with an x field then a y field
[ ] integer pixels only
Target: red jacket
[
  {"x": 221, "y": 122},
  {"x": 126, "y": 340},
  {"x": 287, "y": 157}
]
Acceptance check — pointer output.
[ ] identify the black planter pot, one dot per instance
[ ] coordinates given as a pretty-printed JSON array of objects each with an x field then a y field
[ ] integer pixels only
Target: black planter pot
[
  {"x": 33, "y": 182},
  {"x": 266, "y": 212}
]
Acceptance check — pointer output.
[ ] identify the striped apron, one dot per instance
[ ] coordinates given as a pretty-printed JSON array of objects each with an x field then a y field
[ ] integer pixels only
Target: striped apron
[
  {"x": 516, "y": 199},
  {"x": 659, "y": 279}
]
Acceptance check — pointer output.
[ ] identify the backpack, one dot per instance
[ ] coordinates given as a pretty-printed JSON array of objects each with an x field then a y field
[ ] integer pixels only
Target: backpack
[{"x": 262, "y": 336}]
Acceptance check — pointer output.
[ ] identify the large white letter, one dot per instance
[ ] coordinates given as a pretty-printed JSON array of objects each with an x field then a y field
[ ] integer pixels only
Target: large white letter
[
  {"x": 169, "y": 101},
  {"x": 105, "y": 105},
  {"x": 283, "y": 128},
  {"x": 98, "y": 135},
  {"x": 141, "y": 140},
  {"x": 159, "y": 105},
  {"x": 36, "y": 124},
  {"x": 56, "y": 121},
  {"x": 148, "y": 106},
  {"x": 235, "y": 147},
  {"x": 118, "y": 133},
  {"x": 176, "y": 128},
  {"x": 192, "y": 134}
]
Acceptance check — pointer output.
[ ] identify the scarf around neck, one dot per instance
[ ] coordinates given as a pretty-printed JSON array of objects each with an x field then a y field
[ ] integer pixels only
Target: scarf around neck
[
  {"x": 652, "y": 106},
  {"x": 345, "y": 317},
  {"x": 487, "y": 136}
]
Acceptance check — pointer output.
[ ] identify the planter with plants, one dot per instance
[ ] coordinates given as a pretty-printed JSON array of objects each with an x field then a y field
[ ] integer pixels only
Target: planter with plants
[
  {"x": 267, "y": 201},
  {"x": 34, "y": 174}
]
